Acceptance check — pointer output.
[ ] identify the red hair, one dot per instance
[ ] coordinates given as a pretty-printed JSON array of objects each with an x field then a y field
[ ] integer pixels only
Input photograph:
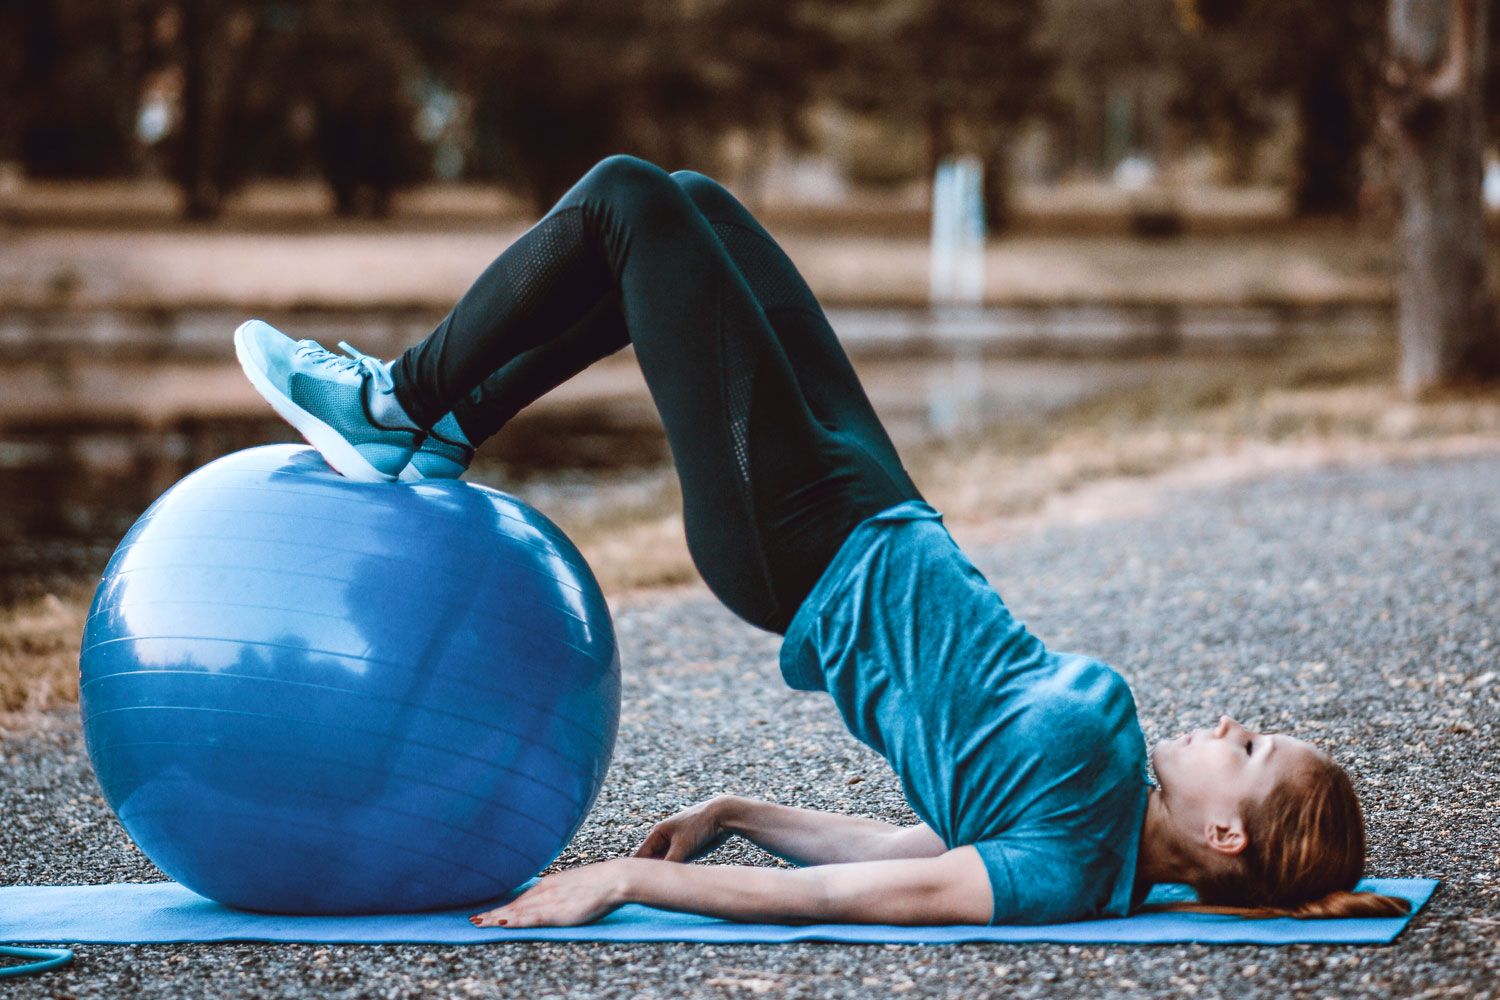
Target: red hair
[{"x": 1305, "y": 853}]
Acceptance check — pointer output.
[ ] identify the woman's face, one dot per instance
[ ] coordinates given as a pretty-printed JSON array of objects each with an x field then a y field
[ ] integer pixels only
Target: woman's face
[{"x": 1206, "y": 776}]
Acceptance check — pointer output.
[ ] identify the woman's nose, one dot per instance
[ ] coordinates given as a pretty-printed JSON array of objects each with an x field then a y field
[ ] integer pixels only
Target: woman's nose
[{"x": 1225, "y": 725}]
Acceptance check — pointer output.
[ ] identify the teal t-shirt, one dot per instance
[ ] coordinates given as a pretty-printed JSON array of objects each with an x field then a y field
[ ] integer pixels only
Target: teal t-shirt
[{"x": 1033, "y": 757}]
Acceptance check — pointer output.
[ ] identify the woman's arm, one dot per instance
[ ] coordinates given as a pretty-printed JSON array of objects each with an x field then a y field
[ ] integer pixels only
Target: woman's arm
[
  {"x": 801, "y": 836},
  {"x": 952, "y": 888}
]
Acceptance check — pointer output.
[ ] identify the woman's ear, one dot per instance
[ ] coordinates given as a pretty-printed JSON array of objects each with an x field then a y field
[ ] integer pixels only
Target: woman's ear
[{"x": 1226, "y": 838}]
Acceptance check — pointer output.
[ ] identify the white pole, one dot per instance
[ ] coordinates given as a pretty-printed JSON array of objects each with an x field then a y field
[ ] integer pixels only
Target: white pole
[
  {"x": 969, "y": 280},
  {"x": 944, "y": 230},
  {"x": 955, "y": 400},
  {"x": 957, "y": 252}
]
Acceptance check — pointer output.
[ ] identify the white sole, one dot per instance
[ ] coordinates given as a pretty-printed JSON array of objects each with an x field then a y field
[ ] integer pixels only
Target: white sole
[{"x": 333, "y": 446}]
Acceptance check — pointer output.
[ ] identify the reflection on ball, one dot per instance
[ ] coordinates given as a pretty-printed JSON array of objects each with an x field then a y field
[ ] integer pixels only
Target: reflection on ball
[{"x": 304, "y": 694}]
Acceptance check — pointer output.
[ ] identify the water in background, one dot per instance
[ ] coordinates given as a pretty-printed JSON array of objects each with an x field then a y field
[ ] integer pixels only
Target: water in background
[{"x": 68, "y": 494}]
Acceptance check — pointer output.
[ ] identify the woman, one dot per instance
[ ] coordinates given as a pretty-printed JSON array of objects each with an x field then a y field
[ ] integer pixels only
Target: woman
[{"x": 1026, "y": 767}]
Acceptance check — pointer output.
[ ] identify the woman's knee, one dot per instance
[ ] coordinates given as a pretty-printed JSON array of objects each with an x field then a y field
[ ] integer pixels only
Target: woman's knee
[
  {"x": 711, "y": 197},
  {"x": 639, "y": 183},
  {"x": 628, "y": 177}
]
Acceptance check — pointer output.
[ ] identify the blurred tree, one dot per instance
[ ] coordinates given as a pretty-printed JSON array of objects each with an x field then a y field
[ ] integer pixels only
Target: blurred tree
[
  {"x": 1325, "y": 55},
  {"x": 13, "y": 77},
  {"x": 239, "y": 79},
  {"x": 276, "y": 86},
  {"x": 963, "y": 72},
  {"x": 557, "y": 84},
  {"x": 1106, "y": 51},
  {"x": 244, "y": 73},
  {"x": 249, "y": 69},
  {"x": 364, "y": 141},
  {"x": 1434, "y": 116},
  {"x": 1492, "y": 75},
  {"x": 73, "y": 94},
  {"x": 199, "y": 165},
  {"x": 68, "y": 72}
]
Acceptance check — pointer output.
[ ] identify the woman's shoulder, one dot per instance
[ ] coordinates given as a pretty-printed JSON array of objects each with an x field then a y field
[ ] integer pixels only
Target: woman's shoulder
[
  {"x": 1082, "y": 715},
  {"x": 1084, "y": 688}
]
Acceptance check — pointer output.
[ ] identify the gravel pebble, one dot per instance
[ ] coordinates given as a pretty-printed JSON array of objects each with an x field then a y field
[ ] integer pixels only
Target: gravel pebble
[{"x": 1359, "y": 607}]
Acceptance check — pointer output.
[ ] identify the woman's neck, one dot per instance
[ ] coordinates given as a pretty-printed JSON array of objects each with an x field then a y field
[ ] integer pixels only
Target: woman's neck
[{"x": 1161, "y": 858}]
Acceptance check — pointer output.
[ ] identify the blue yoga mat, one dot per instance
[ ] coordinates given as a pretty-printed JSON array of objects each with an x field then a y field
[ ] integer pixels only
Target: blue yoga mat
[{"x": 165, "y": 912}]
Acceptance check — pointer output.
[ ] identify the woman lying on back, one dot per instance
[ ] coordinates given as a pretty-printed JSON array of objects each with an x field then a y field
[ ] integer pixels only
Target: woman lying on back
[{"x": 1026, "y": 767}]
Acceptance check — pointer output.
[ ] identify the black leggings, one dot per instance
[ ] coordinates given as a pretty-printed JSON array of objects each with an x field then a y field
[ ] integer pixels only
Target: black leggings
[{"x": 777, "y": 448}]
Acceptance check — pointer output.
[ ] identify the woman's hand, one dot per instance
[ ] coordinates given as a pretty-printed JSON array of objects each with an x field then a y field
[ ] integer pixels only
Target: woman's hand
[
  {"x": 566, "y": 899},
  {"x": 690, "y": 834}
]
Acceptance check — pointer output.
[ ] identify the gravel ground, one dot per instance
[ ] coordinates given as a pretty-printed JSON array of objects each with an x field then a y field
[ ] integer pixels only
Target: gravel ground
[{"x": 1359, "y": 607}]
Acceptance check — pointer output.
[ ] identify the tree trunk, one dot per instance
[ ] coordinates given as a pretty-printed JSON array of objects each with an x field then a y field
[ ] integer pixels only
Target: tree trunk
[
  {"x": 201, "y": 198},
  {"x": 1445, "y": 312},
  {"x": 1330, "y": 141},
  {"x": 939, "y": 143},
  {"x": 996, "y": 188}
]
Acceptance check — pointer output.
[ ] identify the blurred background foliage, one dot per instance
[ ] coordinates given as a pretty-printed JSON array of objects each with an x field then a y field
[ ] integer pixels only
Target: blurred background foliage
[
  {"x": 1320, "y": 166},
  {"x": 374, "y": 95}
]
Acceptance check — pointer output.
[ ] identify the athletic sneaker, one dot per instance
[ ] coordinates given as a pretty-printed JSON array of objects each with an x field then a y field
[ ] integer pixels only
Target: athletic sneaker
[
  {"x": 345, "y": 407},
  {"x": 445, "y": 452}
]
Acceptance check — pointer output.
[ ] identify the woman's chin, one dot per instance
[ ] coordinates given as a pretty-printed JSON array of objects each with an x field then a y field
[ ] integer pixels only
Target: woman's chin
[{"x": 1162, "y": 752}]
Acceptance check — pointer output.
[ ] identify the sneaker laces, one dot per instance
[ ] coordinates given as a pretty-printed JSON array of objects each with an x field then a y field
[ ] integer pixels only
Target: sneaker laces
[
  {"x": 433, "y": 434},
  {"x": 316, "y": 354}
]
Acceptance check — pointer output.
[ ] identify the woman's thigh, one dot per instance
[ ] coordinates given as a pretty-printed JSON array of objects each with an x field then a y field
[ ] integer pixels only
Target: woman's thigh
[
  {"x": 823, "y": 371},
  {"x": 770, "y": 490}
]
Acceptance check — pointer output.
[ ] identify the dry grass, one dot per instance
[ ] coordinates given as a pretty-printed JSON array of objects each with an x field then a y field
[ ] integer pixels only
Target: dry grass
[
  {"x": 1334, "y": 399},
  {"x": 39, "y": 654},
  {"x": 1327, "y": 402}
]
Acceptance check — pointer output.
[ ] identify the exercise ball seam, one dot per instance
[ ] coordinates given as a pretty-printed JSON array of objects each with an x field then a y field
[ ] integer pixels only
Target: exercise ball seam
[
  {"x": 198, "y": 744},
  {"x": 504, "y": 693},
  {"x": 321, "y": 828},
  {"x": 372, "y": 807},
  {"x": 348, "y": 490},
  {"x": 395, "y": 561},
  {"x": 301, "y": 649},
  {"x": 348, "y": 729},
  {"x": 117, "y": 604},
  {"x": 432, "y": 518}
]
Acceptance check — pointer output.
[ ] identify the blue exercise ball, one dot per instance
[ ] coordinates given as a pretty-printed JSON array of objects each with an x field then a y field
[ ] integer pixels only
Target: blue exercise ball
[{"x": 304, "y": 694}]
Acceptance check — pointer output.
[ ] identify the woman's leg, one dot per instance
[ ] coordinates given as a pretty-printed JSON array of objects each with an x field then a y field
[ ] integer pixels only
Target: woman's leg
[
  {"x": 769, "y": 492},
  {"x": 531, "y": 375},
  {"x": 827, "y": 379}
]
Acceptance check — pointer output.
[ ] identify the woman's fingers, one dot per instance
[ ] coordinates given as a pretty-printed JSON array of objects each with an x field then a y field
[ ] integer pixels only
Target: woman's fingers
[
  {"x": 490, "y": 918},
  {"x": 666, "y": 845},
  {"x": 654, "y": 845},
  {"x": 517, "y": 913},
  {"x": 506, "y": 915},
  {"x": 683, "y": 837},
  {"x": 576, "y": 896}
]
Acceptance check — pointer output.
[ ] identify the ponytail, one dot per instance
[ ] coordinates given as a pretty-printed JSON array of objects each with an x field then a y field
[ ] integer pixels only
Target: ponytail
[
  {"x": 1336, "y": 904},
  {"x": 1306, "y": 852}
]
